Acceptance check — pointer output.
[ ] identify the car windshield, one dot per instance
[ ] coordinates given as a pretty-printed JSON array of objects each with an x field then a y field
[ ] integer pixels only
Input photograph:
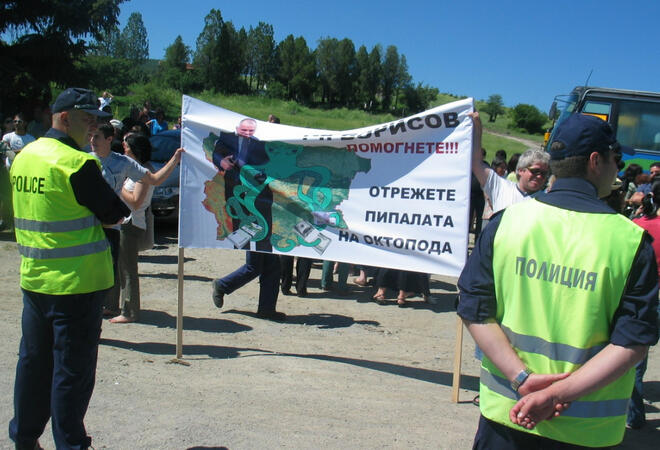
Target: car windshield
[
  {"x": 565, "y": 107},
  {"x": 164, "y": 145}
]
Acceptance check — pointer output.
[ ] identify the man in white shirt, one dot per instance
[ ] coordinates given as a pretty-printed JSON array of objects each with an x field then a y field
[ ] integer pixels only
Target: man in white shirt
[
  {"x": 105, "y": 100},
  {"x": 18, "y": 138},
  {"x": 531, "y": 171}
]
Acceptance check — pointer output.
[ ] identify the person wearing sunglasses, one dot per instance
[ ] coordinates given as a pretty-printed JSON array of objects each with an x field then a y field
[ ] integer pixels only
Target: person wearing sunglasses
[
  {"x": 561, "y": 294},
  {"x": 531, "y": 172},
  {"x": 7, "y": 125},
  {"x": 18, "y": 138}
]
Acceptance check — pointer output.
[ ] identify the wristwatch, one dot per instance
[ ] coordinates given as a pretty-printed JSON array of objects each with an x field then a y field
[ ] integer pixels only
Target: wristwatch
[{"x": 521, "y": 378}]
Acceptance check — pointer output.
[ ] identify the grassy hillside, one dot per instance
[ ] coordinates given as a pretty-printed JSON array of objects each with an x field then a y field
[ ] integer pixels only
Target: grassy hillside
[
  {"x": 291, "y": 113},
  {"x": 494, "y": 143},
  {"x": 491, "y": 142},
  {"x": 502, "y": 125}
]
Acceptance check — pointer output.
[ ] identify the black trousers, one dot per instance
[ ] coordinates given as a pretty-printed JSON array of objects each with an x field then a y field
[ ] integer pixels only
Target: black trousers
[
  {"x": 494, "y": 436},
  {"x": 303, "y": 267},
  {"x": 112, "y": 297},
  {"x": 266, "y": 266},
  {"x": 56, "y": 367}
]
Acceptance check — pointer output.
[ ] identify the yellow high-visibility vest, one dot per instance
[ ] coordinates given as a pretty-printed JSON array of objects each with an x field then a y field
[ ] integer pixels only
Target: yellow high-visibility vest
[
  {"x": 62, "y": 244},
  {"x": 559, "y": 279}
]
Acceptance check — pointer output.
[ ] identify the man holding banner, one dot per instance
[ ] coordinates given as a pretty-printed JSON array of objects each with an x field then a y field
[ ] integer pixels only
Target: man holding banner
[{"x": 531, "y": 171}]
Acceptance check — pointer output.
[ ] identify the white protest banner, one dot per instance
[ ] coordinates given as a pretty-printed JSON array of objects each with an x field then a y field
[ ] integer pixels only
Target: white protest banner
[{"x": 391, "y": 195}]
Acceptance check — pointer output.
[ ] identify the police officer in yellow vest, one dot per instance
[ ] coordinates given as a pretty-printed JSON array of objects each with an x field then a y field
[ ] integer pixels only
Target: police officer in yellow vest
[
  {"x": 561, "y": 294},
  {"x": 60, "y": 201}
]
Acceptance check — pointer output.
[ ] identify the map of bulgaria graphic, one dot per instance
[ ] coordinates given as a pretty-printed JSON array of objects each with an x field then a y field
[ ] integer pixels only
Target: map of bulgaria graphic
[{"x": 308, "y": 185}]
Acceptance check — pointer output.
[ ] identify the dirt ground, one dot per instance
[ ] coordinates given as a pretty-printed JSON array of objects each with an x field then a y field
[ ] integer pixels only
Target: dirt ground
[{"x": 342, "y": 372}]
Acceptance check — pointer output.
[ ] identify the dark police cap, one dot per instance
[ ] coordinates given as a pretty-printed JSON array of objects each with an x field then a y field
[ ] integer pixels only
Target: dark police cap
[
  {"x": 78, "y": 98},
  {"x": 583, "y": 134}
]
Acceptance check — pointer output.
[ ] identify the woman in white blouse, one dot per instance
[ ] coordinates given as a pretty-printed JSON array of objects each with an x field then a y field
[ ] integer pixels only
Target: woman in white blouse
[{"x": 137, "y": 195}]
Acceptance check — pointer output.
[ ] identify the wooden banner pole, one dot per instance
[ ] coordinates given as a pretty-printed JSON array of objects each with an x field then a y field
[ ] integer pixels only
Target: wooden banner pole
[
  {"x": 458, "y": 354},
  {"x": 179, "y": 313}
]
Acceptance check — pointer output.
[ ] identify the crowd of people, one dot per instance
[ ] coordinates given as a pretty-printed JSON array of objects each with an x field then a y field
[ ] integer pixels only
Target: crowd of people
[
  {"x": 552, "y": 253},
  {"x": 23, "y": 127}
]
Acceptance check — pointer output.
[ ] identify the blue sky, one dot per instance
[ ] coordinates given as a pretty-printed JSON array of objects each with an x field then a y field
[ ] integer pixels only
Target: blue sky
[{"x": 526, "y": 51}]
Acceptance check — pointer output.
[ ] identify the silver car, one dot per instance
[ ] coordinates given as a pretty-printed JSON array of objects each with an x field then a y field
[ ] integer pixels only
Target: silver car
[{"x": 165, "y": 201}]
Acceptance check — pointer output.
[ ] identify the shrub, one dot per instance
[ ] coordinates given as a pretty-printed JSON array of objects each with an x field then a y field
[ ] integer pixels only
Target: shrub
[{"x": 529, "y": 118}]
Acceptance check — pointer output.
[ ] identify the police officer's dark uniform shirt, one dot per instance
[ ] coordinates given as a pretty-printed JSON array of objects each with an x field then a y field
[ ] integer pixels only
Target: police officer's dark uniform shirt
[
  {"x": 90, "y": 189},
  {"x": 635, "y": 319}
]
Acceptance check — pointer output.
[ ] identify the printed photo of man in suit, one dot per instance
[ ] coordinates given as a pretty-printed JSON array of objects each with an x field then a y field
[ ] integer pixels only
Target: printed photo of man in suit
[{"x": 233, "y": 151}]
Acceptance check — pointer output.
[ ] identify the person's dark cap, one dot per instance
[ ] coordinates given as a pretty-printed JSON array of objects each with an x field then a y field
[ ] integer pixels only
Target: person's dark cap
[
  {"x": 78, "y": 98},
  {"x": 582, "y": 134}
]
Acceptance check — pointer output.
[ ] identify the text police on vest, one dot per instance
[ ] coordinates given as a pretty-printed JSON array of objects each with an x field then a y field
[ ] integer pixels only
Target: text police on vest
[{"x": 31, "y": 185}]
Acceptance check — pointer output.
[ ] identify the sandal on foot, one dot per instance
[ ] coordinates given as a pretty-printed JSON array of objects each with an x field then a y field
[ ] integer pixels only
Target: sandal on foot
[
  {"x": 122, "y": 319},
  {"x": 379, "y": 298},
  {"x": 360, "y": 283},
  {"x": 401, "y": 300}
]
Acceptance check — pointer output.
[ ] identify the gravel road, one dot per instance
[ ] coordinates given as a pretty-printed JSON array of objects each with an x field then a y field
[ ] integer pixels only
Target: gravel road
[{"x": 342, "y": 372}]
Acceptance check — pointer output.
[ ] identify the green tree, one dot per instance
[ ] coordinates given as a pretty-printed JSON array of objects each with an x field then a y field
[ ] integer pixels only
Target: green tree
[
  {"x": 206, "y": 54},
  {"x": 41, "y": 40},
  {"x": 306, "y": 79},
  {"x": 173, "y": 70},
  {"x": 326, "y": 63},
  {"x": 220, "y": 56},
  {"x": 296, "y": 69},
  {"x": 494, "y": 107},
  {"x": 336, "y": 67},
  {"x": 418, "y": 98},
  {"x": 285, "y": 55},
  {"x": 362, "y": 68},
  {"x": 106, "y": 43},
  {"x": 374, "y": 76},
  {"x": 100, "y": 73},
  {"x": 133, "y": 43},
  {"x": 391, "y": 69},
  {"x": 529, "y": 118},
  {"x": 403, "y": 80},
  {"x": 346, "y": 72},
  {"x": 231, "y": 59},
  {"x": 243, "y": 41},
  {"x": 177, "y": 55},
  {"x": 261, "y": 53}
]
